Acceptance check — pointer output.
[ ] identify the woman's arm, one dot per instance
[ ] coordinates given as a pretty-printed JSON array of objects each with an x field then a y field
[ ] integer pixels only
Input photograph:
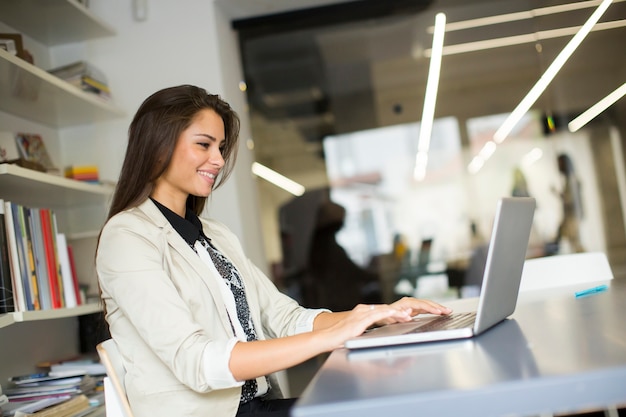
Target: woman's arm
[{"x": 330, "y": 330}]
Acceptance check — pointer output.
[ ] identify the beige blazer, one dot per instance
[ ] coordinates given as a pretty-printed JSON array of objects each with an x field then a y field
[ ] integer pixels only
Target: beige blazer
[{"x": 165, "y": 309}]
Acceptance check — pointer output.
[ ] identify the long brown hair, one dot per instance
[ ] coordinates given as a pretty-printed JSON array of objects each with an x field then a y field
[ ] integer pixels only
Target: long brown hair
[{"x": 153, "y": 134}]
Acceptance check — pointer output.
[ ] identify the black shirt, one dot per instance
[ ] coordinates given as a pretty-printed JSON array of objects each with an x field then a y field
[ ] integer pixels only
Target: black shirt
[{"x": 189, "y": 227}]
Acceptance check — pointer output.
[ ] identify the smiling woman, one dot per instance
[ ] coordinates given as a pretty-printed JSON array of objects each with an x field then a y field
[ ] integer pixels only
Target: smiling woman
[{"x": 201, "y": 329}]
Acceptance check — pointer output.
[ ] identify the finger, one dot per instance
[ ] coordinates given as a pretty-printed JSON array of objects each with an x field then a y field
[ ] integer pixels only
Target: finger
[
  {"x": 385, "y": 313},
  {"x": 423, "y": 306}
]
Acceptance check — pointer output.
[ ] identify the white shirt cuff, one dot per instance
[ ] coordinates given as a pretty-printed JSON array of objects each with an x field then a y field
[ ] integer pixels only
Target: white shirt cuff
[
  {"x": 215, "y": 360},
  {"x": 305, "y": 324}
]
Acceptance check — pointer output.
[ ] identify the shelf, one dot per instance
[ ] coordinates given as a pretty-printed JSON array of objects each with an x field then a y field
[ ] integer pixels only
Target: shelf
[
  {"x": 11, "y": 318},
  {"x": 6, "y": 320},
  {"x": 51, "y": 191},
  {"x": 53, "y": 22},
  {"x": 32, "y": 93}
]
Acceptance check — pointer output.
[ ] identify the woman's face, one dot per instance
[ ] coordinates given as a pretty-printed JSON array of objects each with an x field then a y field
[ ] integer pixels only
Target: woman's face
[{"x": 195, "y": 164}]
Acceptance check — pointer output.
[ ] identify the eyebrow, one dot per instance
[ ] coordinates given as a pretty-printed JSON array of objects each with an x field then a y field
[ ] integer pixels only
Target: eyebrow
[{"x": 210, "y": 137}]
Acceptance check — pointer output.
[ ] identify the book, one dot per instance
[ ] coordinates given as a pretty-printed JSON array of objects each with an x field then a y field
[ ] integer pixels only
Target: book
[
  {"x": 55, "y": 231},
  {"x": 90, "y": 366},
  {"x": 7, "y": 302},
  {"x": 14, "y": 262},
  {"x": 88, "y": 83},
  {"x": 44, "y": 377},
  {"x": 82, "y": 173},
  {"x": 33, "y": 405},
  {"x": 70, "y": 252},
  {"x": 51, "y": 261},
  {"x": 30, "y": 257},
  {"x": 69, "y": 292},
  {"x": 51, "y": 387},
  {"x": 79, "y": 69},
  {"x": 22, "y": 262},
  {"x": 32, "y": 148},
  {"x": 67, "y": 408},
  {"x": 39, "y": 254}
]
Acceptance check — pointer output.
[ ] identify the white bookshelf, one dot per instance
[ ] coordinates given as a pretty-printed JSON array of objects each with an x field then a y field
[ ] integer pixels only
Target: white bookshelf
[
  {"x": 46, "y": 190},
  {"x": 25, "y": 316},
  {"x": 34, "y": 94},
  {"x": 38, "y": 97},
  {"x": 54, "y": 22}
]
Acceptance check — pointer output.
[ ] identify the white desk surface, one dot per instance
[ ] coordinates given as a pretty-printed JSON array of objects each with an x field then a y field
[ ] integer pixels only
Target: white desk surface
[{"x": 557, "y": 353}]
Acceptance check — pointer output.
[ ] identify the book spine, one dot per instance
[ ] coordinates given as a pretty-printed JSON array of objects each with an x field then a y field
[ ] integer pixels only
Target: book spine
[
  {"x": 66, "y": 271},
  {"x": 16, "y": 277},
  {"x": 70, "y": 253},
  {"x": 55, "y": 231},
  {"x": 46, "y": 227},
  {"x": 40, "y": 258},
  {"x": 32, "y": 267},
  {"x": 22, "y": 254},
  {"x": 67, "y": 408},
  {"x": 7, "y": 302}
]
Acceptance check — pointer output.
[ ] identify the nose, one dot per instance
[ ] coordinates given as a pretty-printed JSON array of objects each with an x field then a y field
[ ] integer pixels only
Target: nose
[{"x": 216, "y": 158}]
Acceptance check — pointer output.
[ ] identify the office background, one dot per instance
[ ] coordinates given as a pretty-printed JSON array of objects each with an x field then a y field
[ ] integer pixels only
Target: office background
[
  {"x": 336, "y": 95},
  {"x": 192, "y": 41}
]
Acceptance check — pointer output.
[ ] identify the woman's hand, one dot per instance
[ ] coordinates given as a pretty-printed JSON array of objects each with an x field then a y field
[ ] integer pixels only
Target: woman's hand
[
  {"x": 416, "y": 306},
  {"x": 336, "y": 328},
  {"x": 339, "y": 327}
]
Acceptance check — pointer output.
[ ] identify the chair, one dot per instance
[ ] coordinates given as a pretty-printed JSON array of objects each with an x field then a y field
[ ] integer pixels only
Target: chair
[{"x": 116, "y": 401}]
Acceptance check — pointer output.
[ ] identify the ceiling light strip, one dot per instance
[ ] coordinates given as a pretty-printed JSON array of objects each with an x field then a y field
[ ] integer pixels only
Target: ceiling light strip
[
  {"x": 522, "y": 39},
  {"x": 277, "y": 179},
  {"x": 596, "y": 109},
  {"x": 430, "y": 99},
  {"x": 516, "y": 16},
  {"x": 549, "y": 74}
]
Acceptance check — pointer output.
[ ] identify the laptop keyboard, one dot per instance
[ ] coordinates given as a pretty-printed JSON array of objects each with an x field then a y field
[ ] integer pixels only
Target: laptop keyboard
[{"x": 451, "y": 321}]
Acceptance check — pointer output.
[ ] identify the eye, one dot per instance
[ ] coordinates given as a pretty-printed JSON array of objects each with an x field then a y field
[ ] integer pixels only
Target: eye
[{"x": 205, "y": 145}]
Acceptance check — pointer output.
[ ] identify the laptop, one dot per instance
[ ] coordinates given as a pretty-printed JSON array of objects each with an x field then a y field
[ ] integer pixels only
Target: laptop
[{"x": 498, "y": 294}]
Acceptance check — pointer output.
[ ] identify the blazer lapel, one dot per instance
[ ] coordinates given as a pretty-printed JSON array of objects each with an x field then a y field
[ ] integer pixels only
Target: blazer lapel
[{"x": 197, "y": 267}]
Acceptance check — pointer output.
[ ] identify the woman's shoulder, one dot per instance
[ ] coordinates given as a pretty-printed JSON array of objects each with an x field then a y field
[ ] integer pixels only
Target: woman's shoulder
[
  {"x": 142, "y": 217},
  {"x": 214, "y": 227}
]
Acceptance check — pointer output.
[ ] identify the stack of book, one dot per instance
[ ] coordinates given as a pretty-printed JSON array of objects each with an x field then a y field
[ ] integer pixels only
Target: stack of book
[
  {"x": 49, "y": 385},
  {"x": 88, "y": 173},
  {"x": 84, "y": 76},
  {"x": 37, "y": 269},
  {"x": 52, "y": 394},
  {"x": 85, "y": 364},
  {"x": 69, "y": 406}
]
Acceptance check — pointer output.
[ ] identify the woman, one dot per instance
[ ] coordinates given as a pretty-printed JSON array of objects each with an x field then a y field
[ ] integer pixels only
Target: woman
[{"x": 200, "y": 328}]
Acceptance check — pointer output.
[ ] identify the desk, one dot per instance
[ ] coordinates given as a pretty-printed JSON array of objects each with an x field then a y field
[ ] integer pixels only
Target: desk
[{"x": 560, "y": 354}]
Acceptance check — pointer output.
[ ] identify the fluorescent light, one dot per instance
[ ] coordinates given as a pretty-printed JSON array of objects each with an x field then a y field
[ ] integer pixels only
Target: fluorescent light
[
  {"x": 476, "y": 164},
  {"x": 481, "y": 157},
  {"x": 430, "y": 98},
  {"x": 421, "y": 160},
  {"x": 531, "y": 157},
  {"x": 462, "y": 48},
  {"x": 488, "y": 149},
  {"x": 596, "y": 109},
  {"x": 550, "y": 73},
  {"x": 277, "y": 179},
  {"x": 524, "y": 15}
]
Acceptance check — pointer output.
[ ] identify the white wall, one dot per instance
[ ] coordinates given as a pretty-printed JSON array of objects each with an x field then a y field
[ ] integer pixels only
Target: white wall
[{"x": 182, "y": 42}]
